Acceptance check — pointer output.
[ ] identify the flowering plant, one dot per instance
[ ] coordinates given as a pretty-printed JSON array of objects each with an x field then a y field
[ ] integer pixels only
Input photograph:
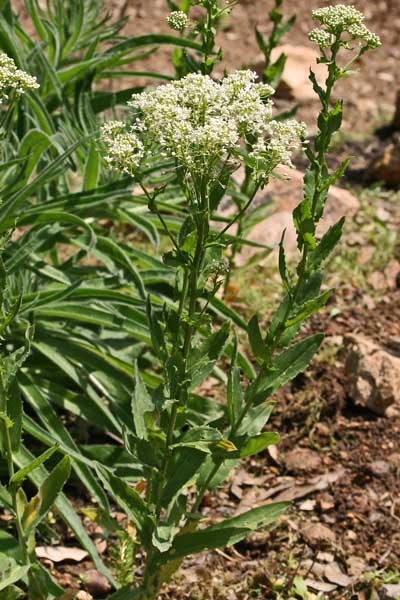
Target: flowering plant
[
  {"x": 203, "y": 29},
  {"x": 186, "y": 443}
]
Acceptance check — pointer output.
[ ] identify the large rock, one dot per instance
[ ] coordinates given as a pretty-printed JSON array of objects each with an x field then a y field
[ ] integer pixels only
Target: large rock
[
  {"x": 374, "y": 375},
  {"x": 386, "y": 167},
  {"x": 295, "y": 82},
  {"x": 286, "y": 193}
]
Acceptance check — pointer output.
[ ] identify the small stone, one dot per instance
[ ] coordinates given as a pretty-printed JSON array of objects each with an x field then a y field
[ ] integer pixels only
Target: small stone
[
  {"x": 377, "y": 280},
  {"x": 394, "y": 459},
  {"x": 392, "y": 270},
  {"x": 390, "y": 592},
  {"x": 379, "y": 468},
  {"x": 318, "y": 534},
  {"x": 302, "y": 459},
  {"x": 350, "y": 535},
  {"x": 95, "y": 583},
  {"x": 326, "y": 557},
  {"x": 326, "y": 502},
  {"x": 356, "y": 566},
  {"x": 307, "y": 505},
  {"x": 374, "y": 375}
]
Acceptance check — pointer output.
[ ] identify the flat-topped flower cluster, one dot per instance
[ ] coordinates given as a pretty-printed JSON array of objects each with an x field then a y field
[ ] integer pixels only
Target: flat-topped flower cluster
[
  {"x": 339, "y": 19},
  {"x": 12, "y": 78},
  {"x": 199, "y": 122}
]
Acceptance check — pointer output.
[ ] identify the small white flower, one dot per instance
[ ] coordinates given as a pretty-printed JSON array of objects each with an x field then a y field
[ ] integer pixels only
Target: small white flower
[
  {"x": 322, "y": 38},
  {"x": 178, "y": 20},
  {"x": 362, "y": 33},
  {"x": 284, "y": 137},
  {"x": 199, "y": 122},
  {"x": 340, "y": 16},
  {"x": 12, "y": 78},
  {"x": 125, "y": 149},
  {"x": 339, "y": 19}
]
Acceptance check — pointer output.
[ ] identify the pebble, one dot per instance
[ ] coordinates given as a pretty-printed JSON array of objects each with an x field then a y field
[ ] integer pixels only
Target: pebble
[
  {"x": 379, "y": 468},
  {"x": 317, "y": 533},
  {"x": 390, "y": 592}
]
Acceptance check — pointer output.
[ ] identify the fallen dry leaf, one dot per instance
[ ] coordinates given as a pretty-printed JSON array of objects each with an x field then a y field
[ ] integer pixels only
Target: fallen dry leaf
[
  {"x": 333, "y": 574},
  {"x": 320, "y": 586},
  {"x": 60, "y": 553}
]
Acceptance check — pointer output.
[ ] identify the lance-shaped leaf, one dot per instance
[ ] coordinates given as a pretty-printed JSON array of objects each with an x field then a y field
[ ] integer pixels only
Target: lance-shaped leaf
[
  {"x": 286, "y": 365},
  {"x": 142, "y": 404},
  {"x": 308, "y": 308},
  {"x": 11, "y": 572},
  {"x": 258, "y": 443},
  {"x": 184, "y": 466},
  {"x": 21, "y": 475},
  {"x": 326, "y": 244},
  {"x": 226, "y": 533},
  {"x": 129, "y": 500},
  {"x": 256, "y": 340},
  {"x": 39, "y": 505},
  {"x": 202, "y": 360}
]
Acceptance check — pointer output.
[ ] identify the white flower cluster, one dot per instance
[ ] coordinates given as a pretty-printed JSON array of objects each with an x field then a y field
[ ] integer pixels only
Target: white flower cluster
[
  {"x": 338, "y": 19},
  {"x": 283, "y": 138},
  {"x": 359, "y": 31},
  {"x": 322, "y": 38},
  {"x": 13, "y": 78},
  {"x": 178, "y": 20},
  {"x": 198, "y": 122},
  {"x": 125, "y": 149}
]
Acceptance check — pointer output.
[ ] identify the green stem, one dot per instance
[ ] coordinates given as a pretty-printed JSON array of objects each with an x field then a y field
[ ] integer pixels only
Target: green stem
[
  {"x": 13, "y": 492},
  {"x": 151, "y": 584}
]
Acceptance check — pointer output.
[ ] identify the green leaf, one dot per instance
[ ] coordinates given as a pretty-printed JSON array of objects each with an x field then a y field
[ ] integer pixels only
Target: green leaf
[
  {"x": 326, "y": 245},
  {"x": 142, "y": 404},
  {"x": 65, "y": 510},
  {"x": 255, "y": 419},
  {"x": 308, "y": 308},
  {"x": 202, "y": 359},
  {"x": 129, "y": 500},
  {"x": 226, "y": 533},
  {"x": 42, "y": 584},
  {"x": 287, "y": 365},
  {"x": 317, "y": 88},
  {"x": 304, "y": 224},
  {"x": 258, "y": 443},
  {"x": 21, "y": 475},
  {"x": 234, "y": 394},
  {"x": 282, "y": 265},
  {"x": 15, "y": 412},
  {"x": 183, "y": 467},
  {"x": 92, "y": 168},
  {"x": 12, "y": 575},
  {"x": 256, "y": 340},
  {"x": 39, "y": 505},
  {"x": 115, "y": 252},
  {"x": 199, "y": 438}
]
